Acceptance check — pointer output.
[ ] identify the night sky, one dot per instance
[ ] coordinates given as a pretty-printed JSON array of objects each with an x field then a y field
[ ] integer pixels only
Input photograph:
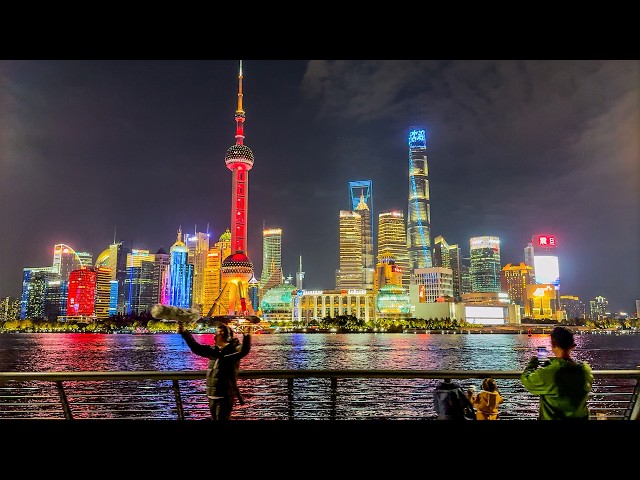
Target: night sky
[{"x": 135, "y": 149}]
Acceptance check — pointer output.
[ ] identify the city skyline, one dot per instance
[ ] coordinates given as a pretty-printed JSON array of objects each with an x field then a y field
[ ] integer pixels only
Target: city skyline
[{"x": 515, "y": 148}]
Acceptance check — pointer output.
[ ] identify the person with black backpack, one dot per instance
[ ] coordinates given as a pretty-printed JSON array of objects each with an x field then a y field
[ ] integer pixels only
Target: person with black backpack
[{"x": 451, "y": 402}]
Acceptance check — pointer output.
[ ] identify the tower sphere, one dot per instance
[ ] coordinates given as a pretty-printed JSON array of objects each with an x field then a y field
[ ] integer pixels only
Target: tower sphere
[
  {"x": 237, "y": 265},
  {"x": 238, "y": 154}
]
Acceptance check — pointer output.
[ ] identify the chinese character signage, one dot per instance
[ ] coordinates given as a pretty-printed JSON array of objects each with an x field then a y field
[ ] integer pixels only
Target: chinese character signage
[{"x": 545, "y": 241}]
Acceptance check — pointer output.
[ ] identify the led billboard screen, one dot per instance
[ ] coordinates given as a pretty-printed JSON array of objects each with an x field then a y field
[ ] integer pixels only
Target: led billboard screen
[
  {"x": 547, "y": 271},
  {"x": 486, "y": 315}
]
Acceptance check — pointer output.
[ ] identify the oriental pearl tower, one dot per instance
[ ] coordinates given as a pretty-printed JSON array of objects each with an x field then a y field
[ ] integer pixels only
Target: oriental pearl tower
[{"x": 236, "y": 270}]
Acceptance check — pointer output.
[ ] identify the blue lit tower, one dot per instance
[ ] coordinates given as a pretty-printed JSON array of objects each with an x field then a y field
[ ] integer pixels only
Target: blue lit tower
[
  {"x": 418, "y": 213},
  {"x": 181, "y": 274},
  {"x": 236, "y": 270}
]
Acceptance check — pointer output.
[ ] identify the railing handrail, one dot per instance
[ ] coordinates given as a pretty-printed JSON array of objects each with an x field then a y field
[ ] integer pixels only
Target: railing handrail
[
  {"x": 286, "y": 373},
  {"x": 63, "y": 380}
]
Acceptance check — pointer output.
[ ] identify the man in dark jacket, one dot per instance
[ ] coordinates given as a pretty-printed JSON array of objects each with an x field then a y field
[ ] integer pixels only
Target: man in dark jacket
[
  {"x": 451, "y": 403},
  {"x": 222, "y": 371}
]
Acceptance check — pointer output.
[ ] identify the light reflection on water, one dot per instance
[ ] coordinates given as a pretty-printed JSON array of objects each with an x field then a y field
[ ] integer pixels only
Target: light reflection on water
[{"x": 103, "y": 352}]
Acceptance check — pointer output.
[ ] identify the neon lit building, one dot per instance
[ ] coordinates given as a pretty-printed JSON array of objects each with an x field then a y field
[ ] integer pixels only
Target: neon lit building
[
  {"x": 485, "y": 264},
  {"x": 541, "y": 255},
  {"x": 361, "y": 201},
  {"x": 515, "y": 279},
  {"x": 180, "y": 274},
  {"x": 212, "y": 280},
  {"x": 115, "y": 258},
  {"x": 103, "y": 292},
  {"x": 236, "y": 270},
  {"x": 392, "y": 239},
  {"x": 271, "y": 259},
  {"x": 419, "y": 213},
  {"x": 350, "y": 247},
  {"x": 198, "y": 248},
  {"x": 82, "y": 292},
  {"x": 65, "y": 260},
  {"x": 387, "y": 272}
]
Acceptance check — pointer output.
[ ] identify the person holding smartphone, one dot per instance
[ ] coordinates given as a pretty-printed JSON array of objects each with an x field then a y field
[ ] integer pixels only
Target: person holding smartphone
[
  {"x": 222, "y": 370},
  {"x": 562, "y": 383}
]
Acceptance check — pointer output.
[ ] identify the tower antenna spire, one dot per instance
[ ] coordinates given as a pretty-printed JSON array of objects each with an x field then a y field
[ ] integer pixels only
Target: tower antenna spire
[{"x": 240, "y": 112}]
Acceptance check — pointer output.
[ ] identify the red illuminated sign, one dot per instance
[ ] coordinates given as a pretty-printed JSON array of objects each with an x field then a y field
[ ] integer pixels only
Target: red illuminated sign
[{"x": 546, "y": 241}]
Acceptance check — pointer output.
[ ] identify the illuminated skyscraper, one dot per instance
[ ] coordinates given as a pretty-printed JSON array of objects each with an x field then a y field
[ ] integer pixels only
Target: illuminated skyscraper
[
  {"x": 485, "y": 264},
  {"x": 115, "y": 258},
  {"x": 299, "y": 276},
  {"x": 441, "y": 254},
  {"x": 237, "y": 269},
  {"x": 271, "y": 259},
  {"x": 387, "y": 272},
  {"x": 103, "y": 291},
  {"x": 198, "y": 248},
  {"x": 392, "y": 238},
  {"x": 350, "y": 246},
  {"x": 212, "y": 280},
  {"x": 180, "y": 274},
  {"x": 419, "y": 213},
  {"x": 456, "y": 267},
  {"x": 65, "y": 260},
  {"x": 361, "y": 201},
  {"x": 82, "y": 292},
  {"x": 514, "y": 281}
]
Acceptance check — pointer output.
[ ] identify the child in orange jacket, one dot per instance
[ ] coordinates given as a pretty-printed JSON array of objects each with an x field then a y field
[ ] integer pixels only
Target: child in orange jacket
[{"x": 487, "y": 401}]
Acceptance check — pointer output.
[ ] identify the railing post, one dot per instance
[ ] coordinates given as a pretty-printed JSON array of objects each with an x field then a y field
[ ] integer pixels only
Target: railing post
[
  {"x": 176, "y": 393},
  {"x": 633, "y": 413},
  {"x": 63, "y": 400}
]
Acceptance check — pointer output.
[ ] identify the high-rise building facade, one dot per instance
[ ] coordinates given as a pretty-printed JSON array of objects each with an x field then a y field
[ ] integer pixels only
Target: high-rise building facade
[
  {"x": 419, "y": 209},
  {"x": 212, "y": 278},
  {"x": 514, "y": 280},
  {"x": 103, "y": 292},
  {"x": 441, "y": 255},
  {"x": 484, "y": 269},
  {"x": 299, "y": 276},
  {"x": 34, "y": 290},
  {"x": 65, "y": 260},
  {"x": 435, "y": 284},
  {"x": 82, "y": 292},
  {"x": 198, "y": 248},
  {"x": 542, "y": 252},
  {"x": 361, "y": 201},
  {"x": 387, "y": 272},
  {"x": 392, "y": 238},
  {"x": 180, "y": 274},
  {"x": 598, "y": 308},
  {"x": 367, "y": 244},
  {"x": 350, "y": 246},
  {"x": 271, "y": 259},
  {"x": 572, "y": 306},
  {"x": 456, "y": 267}
]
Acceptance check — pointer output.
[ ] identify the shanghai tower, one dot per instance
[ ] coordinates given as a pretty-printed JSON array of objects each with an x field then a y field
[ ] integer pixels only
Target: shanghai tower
[{"x": 419, "y": 213}]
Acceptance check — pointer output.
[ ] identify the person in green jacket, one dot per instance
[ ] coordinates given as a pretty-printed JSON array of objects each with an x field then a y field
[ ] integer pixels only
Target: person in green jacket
[{"x": 562, "y": 383}]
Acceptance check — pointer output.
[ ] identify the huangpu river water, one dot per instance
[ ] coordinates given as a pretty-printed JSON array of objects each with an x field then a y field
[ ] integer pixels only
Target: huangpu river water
[
  {"x": 24, "y": 352},
  {"x": 47, "y": 352}
]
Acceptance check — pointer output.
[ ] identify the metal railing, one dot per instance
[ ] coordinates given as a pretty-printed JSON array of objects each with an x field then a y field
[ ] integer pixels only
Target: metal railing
[{"x": 284, "y": 394}]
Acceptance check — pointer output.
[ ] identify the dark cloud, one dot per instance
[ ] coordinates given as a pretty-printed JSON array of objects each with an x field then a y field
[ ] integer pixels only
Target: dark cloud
[{"x": 515, "y": 148}]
